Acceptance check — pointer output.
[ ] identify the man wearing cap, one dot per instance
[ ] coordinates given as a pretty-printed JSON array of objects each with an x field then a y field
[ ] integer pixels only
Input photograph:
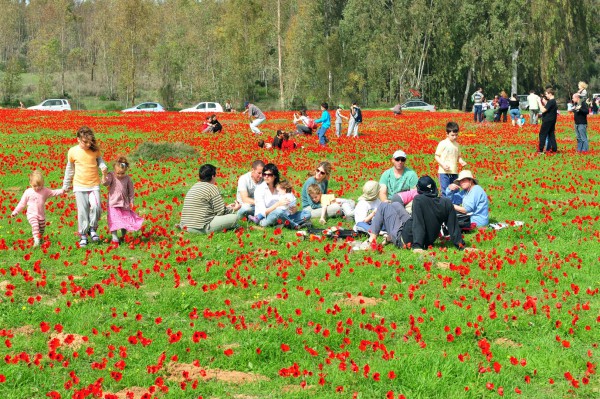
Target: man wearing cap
[
  {"x": 469, "y": 197},
  {"x": 422, "y": 229},
  {"x": 397, "y": 179},
  {"x": 255, "y": 115},
  {"x": 247, "y": 183}
]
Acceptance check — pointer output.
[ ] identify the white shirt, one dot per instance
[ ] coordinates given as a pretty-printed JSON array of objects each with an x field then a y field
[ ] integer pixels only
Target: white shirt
[
  {"x": 264, "y": 199},
  {"x": 245, "y": 183},
  {"x": 364, "y": 208}
]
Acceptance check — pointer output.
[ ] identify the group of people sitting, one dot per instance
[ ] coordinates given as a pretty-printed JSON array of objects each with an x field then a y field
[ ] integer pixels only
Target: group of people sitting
[{"x": 406, "y": 210}]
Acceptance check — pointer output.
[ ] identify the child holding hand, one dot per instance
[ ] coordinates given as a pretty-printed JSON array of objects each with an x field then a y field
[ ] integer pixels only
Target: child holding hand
[
  {"x": 83, "y": 162},
  {"x": 120, "y": 201},
  {"x": 35, "y": 198}
]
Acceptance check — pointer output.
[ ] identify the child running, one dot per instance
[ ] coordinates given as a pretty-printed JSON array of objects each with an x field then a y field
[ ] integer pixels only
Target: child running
[
  {"x": 120, "y": 201},
  {"x": 83, "y": 162},
  {"x": 35, "y": 198}
]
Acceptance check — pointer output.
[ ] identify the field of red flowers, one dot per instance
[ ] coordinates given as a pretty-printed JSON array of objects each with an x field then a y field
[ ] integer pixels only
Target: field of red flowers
[{"x": 268, "y": 314}]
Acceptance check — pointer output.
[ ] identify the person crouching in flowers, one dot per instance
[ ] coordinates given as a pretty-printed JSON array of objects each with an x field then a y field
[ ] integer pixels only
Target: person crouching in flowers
[
  {"x": 35, "y": 198},
  {"x": 83, "y": 162},
  {"x": 120, "y": 201}
]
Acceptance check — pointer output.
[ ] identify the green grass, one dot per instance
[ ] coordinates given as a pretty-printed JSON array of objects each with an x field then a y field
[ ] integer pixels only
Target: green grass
[{"x": 248, "y": 286}]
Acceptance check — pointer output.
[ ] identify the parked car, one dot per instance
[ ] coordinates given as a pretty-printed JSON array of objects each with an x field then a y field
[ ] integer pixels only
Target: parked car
[
  {"x": 418, "y": 105},
  {"x": 204, "y": 107},
  {"x": 146, "y": 107},
  {"x": 53, "y": 104},
  {"x": 523, "y": 103}
]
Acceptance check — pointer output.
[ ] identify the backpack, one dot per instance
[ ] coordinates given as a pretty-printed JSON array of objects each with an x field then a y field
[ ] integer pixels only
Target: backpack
[
  {"x": 357, "y": 115},
  {"x": 310, "y": 123}
]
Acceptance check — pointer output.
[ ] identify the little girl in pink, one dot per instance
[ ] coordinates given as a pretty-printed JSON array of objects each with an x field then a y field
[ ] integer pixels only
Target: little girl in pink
[
  {"x": 35, "y": 198},
  {"x": 120, "y": 201}
]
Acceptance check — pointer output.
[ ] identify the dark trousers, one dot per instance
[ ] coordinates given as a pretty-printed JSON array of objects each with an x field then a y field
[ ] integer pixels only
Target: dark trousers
[
  {"x": 547, "y": 132},
  {"x": 503, "y": 112}
]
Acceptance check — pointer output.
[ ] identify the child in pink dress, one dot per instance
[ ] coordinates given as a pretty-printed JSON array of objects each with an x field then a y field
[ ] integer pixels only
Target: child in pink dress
[
  {"x": 120, "y": 201},
  {"x": 35, "y": 198}
]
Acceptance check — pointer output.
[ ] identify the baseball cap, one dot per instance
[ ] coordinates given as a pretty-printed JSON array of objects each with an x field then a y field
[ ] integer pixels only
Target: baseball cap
[
  {"x": 399, "y": 153},
  {"x": 426, "y": 185}
]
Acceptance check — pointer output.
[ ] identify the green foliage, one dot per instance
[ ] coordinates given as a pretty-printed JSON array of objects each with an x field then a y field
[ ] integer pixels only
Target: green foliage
[{"x": 150, "y": 151}]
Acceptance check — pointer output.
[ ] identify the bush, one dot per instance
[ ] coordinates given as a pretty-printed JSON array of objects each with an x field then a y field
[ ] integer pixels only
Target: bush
[{"x": 161, "y": 151}]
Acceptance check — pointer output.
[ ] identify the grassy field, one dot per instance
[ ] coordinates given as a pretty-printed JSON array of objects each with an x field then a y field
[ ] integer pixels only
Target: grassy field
[{"x": 270, "y": 314}]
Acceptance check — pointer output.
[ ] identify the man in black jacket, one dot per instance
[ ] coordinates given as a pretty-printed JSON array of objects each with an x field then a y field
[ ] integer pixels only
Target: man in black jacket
[{"x": 422, "y": 229}]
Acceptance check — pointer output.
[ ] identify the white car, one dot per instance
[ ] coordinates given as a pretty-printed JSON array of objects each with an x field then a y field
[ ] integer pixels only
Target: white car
[
  {"x": 53, "y": 105},
  {"x": 418, "y": 105},
  {"x": 146, "y": 107},
  {"x": 204, "y": 107}
]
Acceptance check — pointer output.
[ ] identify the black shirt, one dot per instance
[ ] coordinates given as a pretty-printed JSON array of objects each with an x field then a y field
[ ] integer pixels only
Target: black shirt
[
  {"x": 550, "y": 114},
  {"x": 580, "y": 115}
]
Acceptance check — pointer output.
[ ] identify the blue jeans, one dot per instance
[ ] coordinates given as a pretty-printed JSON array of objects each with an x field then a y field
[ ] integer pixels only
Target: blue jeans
[
  {"x": 321, "y": 133},
  {"x": 515, "y": 114},
  {"x": 280, "y": 216},
  {"x": 477, "y": 113},
  {"x": 445, "y": 180},
  {"x": 582, "y": 139}
]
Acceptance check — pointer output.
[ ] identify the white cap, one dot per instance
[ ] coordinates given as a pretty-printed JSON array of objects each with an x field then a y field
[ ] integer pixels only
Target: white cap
[{"x": 399, "y": 153}]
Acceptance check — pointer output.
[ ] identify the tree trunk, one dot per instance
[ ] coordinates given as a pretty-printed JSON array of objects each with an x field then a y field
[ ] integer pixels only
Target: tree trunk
[
  {"x": 513, "y": 80},
  {"x": 279, "y": 57},
  {"x": 467, "y": 88}
]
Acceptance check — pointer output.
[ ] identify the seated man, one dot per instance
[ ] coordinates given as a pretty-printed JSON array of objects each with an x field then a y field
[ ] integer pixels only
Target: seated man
[
  {"x": 246, "y": 185},
  {"x": 422, "y": 229},
  {"x": 469, "y": 197},
  {"x": 397, "y": 179}
]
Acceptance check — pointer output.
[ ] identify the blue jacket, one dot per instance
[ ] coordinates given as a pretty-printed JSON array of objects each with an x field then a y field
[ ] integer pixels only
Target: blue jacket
[{"x": 325, "y": 119}]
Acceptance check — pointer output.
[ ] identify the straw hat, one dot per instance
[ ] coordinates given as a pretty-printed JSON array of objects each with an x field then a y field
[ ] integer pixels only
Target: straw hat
[
  {"x": 370, "y": 191},
  {"x": 465, "y": 174}
]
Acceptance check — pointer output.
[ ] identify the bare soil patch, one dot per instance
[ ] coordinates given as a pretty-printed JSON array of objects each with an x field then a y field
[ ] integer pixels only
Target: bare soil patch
[
  {"x": 73, "y": 341},
  {"x": 23, "y": 330},
  {"x": 182, "y": 371},
  {"x": 507, "y": 343},
  {"x": 138, "y": 392},
  {"x": 360, "y": 300}
]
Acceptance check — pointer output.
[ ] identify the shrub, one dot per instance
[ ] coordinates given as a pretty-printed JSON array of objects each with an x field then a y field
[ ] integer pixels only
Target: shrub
[{"x": 161, "y": 151}]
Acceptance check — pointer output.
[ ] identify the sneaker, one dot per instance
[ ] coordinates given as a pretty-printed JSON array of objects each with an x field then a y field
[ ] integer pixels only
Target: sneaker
[
  {"x": 95, "y": 237},
  {"x": 36, "y": 242},
  {"x": 385, "y": 240},
  {"x": 83, "y": 242},
  {"x": 364, "y": 246}
]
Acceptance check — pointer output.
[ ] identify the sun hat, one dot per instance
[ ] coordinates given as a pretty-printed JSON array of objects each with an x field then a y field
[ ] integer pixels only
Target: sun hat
[
  {"x": 370, "y": 191},
  {"x": 426, "y": 185},
  {"x": 465, "y": 174},
  {"x": 340, "y": 106},
  {"x": 399, "y": 153}
]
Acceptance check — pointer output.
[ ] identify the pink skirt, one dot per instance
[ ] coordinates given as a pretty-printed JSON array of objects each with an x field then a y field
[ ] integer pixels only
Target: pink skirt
[{"x": 120, "y": 218}]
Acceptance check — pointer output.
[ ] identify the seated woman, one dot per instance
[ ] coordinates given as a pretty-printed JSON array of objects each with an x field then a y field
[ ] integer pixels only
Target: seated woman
[
  {"x": 366, "y": 207},
  {"x": 271, "y": 208},
  {"x": 321, "y": 177},
  {"x": 303, "y": 123},
  {"x": 203, "y": 208},
  {"x": 468, "y": 197},
  {"x": 329, "y": 204}
]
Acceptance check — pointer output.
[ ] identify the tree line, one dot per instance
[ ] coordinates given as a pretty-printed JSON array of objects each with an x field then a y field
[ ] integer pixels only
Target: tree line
[{"x": 296, "y": 52}]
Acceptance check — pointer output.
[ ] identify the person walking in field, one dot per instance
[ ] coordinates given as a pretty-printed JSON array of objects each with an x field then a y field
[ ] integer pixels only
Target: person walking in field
[
  {"x": 547, "y": 130},
  {"x": 255, "y": 115},
  {"x": 355, "y": 120},
  {"x": 338, "y": 120},
  {"x": 580, "y": 112},
  {"x": 120, "y": 201},
  {"x": 325, "y": 121},
  {"x": 35, "y": 199},
  {"x": 447, "y": 155},
  {"x": 477, "y": 99},
  {"x": 81, "y": 172}
]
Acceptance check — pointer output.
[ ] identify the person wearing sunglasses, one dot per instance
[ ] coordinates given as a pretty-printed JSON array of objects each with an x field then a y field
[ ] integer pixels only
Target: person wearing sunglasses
[
  {"x": 321, "y": 178},
  {"x": 399, "y": 178},
  {"x": 204, "y": 210},
  {"x": 270, "y": 208}
]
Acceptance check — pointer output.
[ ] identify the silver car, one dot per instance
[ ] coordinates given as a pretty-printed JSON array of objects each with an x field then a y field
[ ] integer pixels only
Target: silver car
[
  {"x": 53, "y": 104},
  {"x": 146, "y": 107},
  {"x": 418, "y": 105}
]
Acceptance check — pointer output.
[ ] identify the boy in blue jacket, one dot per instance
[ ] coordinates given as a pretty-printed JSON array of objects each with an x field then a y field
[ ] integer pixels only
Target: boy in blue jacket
[{"x": 325, "y": 121}]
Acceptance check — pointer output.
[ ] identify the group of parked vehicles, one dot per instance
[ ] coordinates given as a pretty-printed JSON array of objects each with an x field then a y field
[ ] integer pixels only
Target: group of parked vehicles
[{"x": 55, "y": 104}]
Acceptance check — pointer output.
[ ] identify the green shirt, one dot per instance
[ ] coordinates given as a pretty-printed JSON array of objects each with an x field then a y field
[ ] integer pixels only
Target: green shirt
[{"x": 405, "y": 182}]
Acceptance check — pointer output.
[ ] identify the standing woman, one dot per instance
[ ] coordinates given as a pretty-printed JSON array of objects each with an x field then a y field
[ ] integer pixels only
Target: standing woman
[
  {"x": 203, "y": 208},
  {"x": 503, "y": 105},
  {"x": 515, "y": 112}
]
